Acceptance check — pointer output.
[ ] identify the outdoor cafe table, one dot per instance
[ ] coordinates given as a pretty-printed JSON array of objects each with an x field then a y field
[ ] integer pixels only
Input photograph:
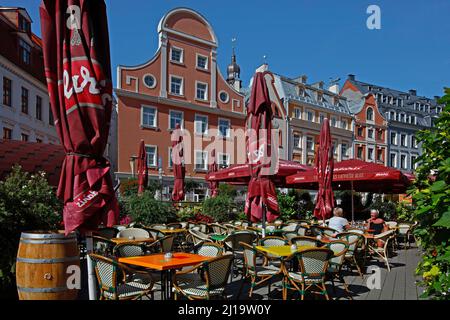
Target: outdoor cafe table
[
  {"x": 126, "y": 240},
  {"x": 218, "y": 237},
  {"x": 166, "y": 266},
  {"x": 271, "y": 232},
  {"x": 172, "y": 231}
]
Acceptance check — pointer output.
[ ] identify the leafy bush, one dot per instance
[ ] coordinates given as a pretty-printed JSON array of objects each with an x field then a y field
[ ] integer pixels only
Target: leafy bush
[
  {"x": 130, "y": 187},
  {"x": 199, "y": 217},
  {"x": 405, "y": 212},
  {"x": 219, "y": 208},
  {"x": 431, "y": 194},
  {"x": 346, "y": 204},
  {"x": 146, "y": 210},
  {"x": 387, "y": 209},
  {"x": 295, "y": 205},
  {"x": 188, "y": 213},
  {"x": 228, "y": 190},
  {"x": 288, "y": 206},
  {"x": 27, "y": 203}
]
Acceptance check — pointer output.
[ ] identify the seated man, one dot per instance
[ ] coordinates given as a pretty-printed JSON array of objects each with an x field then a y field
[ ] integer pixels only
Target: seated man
[
  {"x": 375, "y": 223},
  {"x": 338, "y": 222}
]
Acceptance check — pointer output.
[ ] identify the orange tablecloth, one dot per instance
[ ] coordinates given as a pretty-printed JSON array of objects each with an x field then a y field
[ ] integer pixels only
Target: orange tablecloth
[
  {"x": 159, "y": 262},
  {"x": 125, "y": 240}
]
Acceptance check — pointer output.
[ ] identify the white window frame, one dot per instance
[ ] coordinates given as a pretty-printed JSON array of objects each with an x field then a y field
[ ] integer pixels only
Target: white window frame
[
  {"x": 205, "y": 168},
  {"x": 236, "y": 103},
  {"x": 373, "y": 114},
  {"x": 394, "y": 165},
  {"x": 206, "y": 91},
  {"x": 142, "y": 116},
  {"x": 333, "y": 118},
  {"x": 322, "y": 115},
  {"x": 313, "y": 143},
  {"x": 229, "y": 128},
  {"x": 405, "y": 167},
  {"x": 406, "y": 140},
  {"x": 181, "y": 56},
  {"x": 299, "y": 145},
  {"x": 373, "y": 154},
  {"x": 155, "y": 165},
  {"x": 195, "y": 124},
  {"x": 395, "y": 143},
  {"x": 207, "y": 62},
  {"x": 298, "y": 113},
  {"x": 181, "y": 86},
  {"x": 313, "y": 115},
  {"x": 344, "y": 121},
  {"x": 373, "y": 134},
  {"x": 344, "y": 153},
  {"x": 170, "y": 117},
  {"x": 220, "y": 155}
]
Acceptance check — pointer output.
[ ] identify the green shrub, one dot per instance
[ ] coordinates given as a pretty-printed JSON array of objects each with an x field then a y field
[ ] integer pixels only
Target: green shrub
[
  {"x": 288, "y": 206},
  {"x": 228, "y": 190},
  {"x": 431, "y": 195},
  {"x": 27, "y": 203},
  {"x": 146, "y": 210},
  {"x": 130, "y": 187},
  {"x": 188, "y": 213},
  {"x": 219, "y": 208},
  {"x": 405, "y": 212},
  {"x": 387, "y": 209}
]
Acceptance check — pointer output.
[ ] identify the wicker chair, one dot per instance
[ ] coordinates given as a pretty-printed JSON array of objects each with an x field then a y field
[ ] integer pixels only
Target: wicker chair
[
  {"x": 289, "y": 235},
  {"x": 305, "y": 241},
  {"x": 175, "y": 225},
  {"x": 166, "y": 244},
  {"x": 322, "y": 231},
  {"x": 404, "y": 233},
  {"x": 334, "y": 271},
  {"x": 155, "y": 233},
  {"x": 198, "y": 236},
  {"x": 204, "y": 228},
  {"x": 291, "y": 227},
  {"x": 302, "y": 230},
  {"x": 204, "y": 281},
  {"x": 133, "y": 232},
  {"x": 354, "y": 240},
  {"x": 233, "y": 243},
  {"x": 133, "y": 249},
  {"x": 231, "y": 227},
  {"x": 119, "y": 282},
  {"x": 313, "y": 265},
  {"x": 107, "y": 232},
  {"x": 257, "y": 274},
  {"x": 158, "y": 226},
  {"x": 383, "y": 252},
  {"x": 273, "y": 242},
  {"x": 218, "y": 229},
  {"x": 208, "y": 249},
  {"x": 103, "y": 246}
]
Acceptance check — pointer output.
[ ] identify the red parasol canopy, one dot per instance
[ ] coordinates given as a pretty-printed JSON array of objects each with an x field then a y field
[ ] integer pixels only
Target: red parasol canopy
[
  {"x": 142, "y": 168},
  {"x": 178, "y": 164},
  {"x": 365, "y": 177},
  {"x": 324, "y": 171},
  {"x": 261, "y": 189},
  {"x": 213, "y": 184},
  {"x": 78, "y": 70}
]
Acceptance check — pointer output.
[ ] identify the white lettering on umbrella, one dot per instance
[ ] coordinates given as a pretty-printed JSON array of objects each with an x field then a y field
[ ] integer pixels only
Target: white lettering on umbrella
[
  {"x": 81, "y": 203},
  {"x": 73, "y": 22},
  {"x": 87, "y": 79}
]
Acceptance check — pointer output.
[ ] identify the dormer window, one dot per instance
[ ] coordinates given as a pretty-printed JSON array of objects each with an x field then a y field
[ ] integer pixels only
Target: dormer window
[
  {"x": 319, "y": 97},
  {"x": 24, "y": 24},
  {"x": 25, "y": 52},
  {"x": 176, "y": 54}
]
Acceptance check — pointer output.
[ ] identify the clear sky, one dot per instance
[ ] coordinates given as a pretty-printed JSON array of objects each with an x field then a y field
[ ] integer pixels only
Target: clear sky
[{"x": 320, "y": 38}]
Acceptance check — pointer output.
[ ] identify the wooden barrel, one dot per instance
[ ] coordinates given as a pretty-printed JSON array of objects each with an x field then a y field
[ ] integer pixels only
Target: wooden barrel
[{"x": 43, "y": 259}]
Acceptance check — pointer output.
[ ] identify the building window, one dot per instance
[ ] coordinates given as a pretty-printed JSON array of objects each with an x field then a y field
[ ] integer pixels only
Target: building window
[
  {"x": 297, "y": 113},
  {"x": 223, "y": 97},
  {"x": 25, "y": 100},
  {"x": 335, "y": 147},
  {"x": 344, "y": 124},
  {"x": 414, "y": 142},
  {"x": 25, "y": 52},
  {"x": 321, "y": 118},
  {"x": 201, "y": 124},
  {"x": 24, "y": 24},
  {"x": 7, "y": 133},
  {"x": 202, "y": 62},
  {"x": 201, "y": 91},
  {"x": 414, "y": 163},
  {"x": 7, "y": 92},
  {"x": 360, "y": 131},
  {"x": 403, "y": 140},
  {"x": 370, "y": 154},
  {"x": 24, "y": 137},
  {"x": 344, "y": 150},
  {"x": 310, "y": 144},
  {"x": 201, "y": 160},
  {"x": 360, "y": 152},
  {"x": 150, "y": 81},
  {"x": 152, "y": 155},
  {"x": 149, "y": 115},
  {"x": 393, "y": 138},
  {"x": 403, "y": 162},
  {"x": 224, "y": 160},
  {"x": 176, "y": 117},
  {"x": 402, "y": 117},
  {"x": 370, "y": 134},
  {"x": 176, "y": 54},
  {"x": 380, "y": 155},
  {"x": 170, "y": 158},
  {"x": 369, "y": 114},
  {"x": 297, "y": 141},
  {"x": 392, "y": 115},
  {"x": 51, "y": 119},
  {"x": 176, "y": 85},
  {"x": 38, "y": 108},
  {"x": 310, "y": 115},
  {"x": 224, "y": 128},
  {"x": 380, "y": 134},
  {"x": 333, "y": 122},
  {"x": 393, "y": 160}
]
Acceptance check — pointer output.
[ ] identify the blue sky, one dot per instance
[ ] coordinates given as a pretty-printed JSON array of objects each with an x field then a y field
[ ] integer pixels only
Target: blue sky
[{"x": 322, "y": 39}]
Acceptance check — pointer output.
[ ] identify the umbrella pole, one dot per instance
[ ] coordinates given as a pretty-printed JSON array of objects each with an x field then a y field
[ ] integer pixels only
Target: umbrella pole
[
  {"x": 264, "y": 221},
  {"x": 90, "y": 268},
  {"x": 353, "y": 204}
]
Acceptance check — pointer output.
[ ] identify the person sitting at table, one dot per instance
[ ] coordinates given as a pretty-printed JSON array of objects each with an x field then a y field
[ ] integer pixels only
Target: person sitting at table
[
  {"x": 338, "y": 222},
  {"x": 375, "y": 223}
]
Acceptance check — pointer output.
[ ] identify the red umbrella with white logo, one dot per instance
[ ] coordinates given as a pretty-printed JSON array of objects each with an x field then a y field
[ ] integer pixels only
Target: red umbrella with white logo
[
  {"x": 142, "y": 168},
  {"x": 179, "y": 171},
  {"x": 213, "y": 184}
]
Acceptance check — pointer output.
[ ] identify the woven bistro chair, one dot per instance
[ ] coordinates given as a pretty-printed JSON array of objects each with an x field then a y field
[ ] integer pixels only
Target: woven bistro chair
[
  {"x": 204, "y": 228},
  {"x": 256, "y": 274},
  {"x": 103, "y": 246},
  {"x": 334, "y": 271},
  {"x": 273, "y": 242},
  {"x": 291, "y": 227},
  {"x": 289, "y": 235},
  {"x": 231, "y": 227},
  {"x": 208, "y": 249},
  {"x": 204, "y": 281},
  {"x": 133, "y": 249},
  {"x": 133, "y": 232},
  {"x": 198, "y": 236},
  {"x": 116, "y": 281},
  {"x": 354, "y": 240},
  {"x": 233, "y": 243},
  {"x": 306, "y": 241},
  {"x": 155, "y": 233},
  {"x": 302, "y": 230},
  {"x": 313, "y": 264},
  {"x": 107, "y": 232},
  {"x": 322, "y": 231},
  {"x": 404, "y": 233},
  {"x": 158, "y": 226},
  {"x": 174, "y": 225},
  {"x": 218, "y": 229},
  {"x": 383, "y": 252}
]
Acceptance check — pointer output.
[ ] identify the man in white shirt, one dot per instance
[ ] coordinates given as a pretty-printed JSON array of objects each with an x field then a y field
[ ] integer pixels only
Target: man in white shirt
[{"x": 338, "y": 222}]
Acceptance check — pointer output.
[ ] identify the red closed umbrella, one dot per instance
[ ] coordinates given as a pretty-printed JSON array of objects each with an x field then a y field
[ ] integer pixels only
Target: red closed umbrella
[
  {"x": 142, "y": 168},
  {"x": 78, "y": 70},
  {"x": 324, "y": 168},
  {"x": 178, "y": 164},
  {"x": 262, "y": 202},
  {"x": 213, "y": 184}
]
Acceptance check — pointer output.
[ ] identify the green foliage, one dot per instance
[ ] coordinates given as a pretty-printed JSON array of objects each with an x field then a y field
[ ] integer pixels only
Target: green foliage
[
  {"x": 191, "y": 185},
  {"x": 228, "y": 190},
  {"x": 188, "y": 213},
  {"x": 130, "y": 187},
  {"x": 146, "y": 210},
  {"x": 219, "y": 208},
  {"x": 431, "y": 194},
  {"x": 405, "y": 212},
  {"x": 295, "y": 205},
  {"x": 346, "y": 203},
  {"x": 387, "y": 209},
  {"x": 27, "y": 203}
]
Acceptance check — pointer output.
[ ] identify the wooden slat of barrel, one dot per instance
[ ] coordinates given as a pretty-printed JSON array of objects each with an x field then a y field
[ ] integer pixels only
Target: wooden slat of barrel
[{"x": 42, "y": 262}]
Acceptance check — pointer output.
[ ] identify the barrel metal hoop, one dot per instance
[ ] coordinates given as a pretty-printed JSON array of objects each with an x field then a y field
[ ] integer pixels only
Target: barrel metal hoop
[
  {"x": 28, "y": 235},
  {"x": 42, "y": 261},
  {"x": 43, "y": 290},
  {"x": 28, "y": 241}
]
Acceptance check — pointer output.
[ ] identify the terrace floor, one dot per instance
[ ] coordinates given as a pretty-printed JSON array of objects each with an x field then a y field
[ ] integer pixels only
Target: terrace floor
[{"x": 398, "y": 284}]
